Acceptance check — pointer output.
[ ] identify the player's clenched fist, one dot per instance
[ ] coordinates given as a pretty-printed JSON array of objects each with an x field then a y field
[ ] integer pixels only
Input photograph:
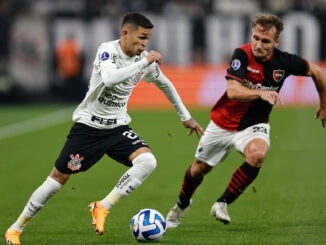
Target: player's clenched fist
[{"x": 154, "y": 56}]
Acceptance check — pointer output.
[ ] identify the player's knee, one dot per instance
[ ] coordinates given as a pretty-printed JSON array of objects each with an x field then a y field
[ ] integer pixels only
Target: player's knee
[
  {"x": 147, "y": 161},
  {"x": 256, "y": 157},
  {"x": 200, "y": 169}
]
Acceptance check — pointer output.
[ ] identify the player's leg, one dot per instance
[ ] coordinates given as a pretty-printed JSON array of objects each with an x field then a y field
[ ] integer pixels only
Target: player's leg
[
  {"x": 213, "y": 147},
  {"x": 36, "y": 202},
  {"x": 143, "y": 164},
  {"x": 75, "y": 156},
  {"x": 254, "y": 144},
  {"x": 192, "y": 179},
  {"x": 132, "y": 151}
]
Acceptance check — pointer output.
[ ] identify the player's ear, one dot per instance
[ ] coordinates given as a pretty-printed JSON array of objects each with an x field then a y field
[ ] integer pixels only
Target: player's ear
[{"x": 124, "y": 32}]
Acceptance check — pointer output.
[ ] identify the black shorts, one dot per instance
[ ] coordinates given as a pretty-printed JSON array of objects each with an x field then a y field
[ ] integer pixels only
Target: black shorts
[{"x": 86, "y": 145}]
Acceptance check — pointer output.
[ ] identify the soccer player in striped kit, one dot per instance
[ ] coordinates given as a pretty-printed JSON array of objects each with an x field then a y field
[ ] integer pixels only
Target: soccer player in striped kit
[{"x": 240, "y": 117}]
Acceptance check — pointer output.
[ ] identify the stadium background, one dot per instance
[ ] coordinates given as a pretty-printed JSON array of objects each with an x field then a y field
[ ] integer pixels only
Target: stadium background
[
  {"x": 285, "y": 204},
  {"x": 196, "y": 39}
]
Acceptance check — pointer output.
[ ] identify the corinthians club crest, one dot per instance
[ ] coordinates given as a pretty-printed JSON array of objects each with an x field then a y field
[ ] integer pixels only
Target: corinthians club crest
[
  {"x": 74, "y": 163},
  {"x": 278, "y": 75}
]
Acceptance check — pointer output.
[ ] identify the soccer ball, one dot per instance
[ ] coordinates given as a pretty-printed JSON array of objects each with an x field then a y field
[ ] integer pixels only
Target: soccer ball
[{"x": 148, "y": 225}]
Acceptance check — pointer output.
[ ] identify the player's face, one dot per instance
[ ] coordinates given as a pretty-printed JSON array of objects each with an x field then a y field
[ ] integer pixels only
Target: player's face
[
  {"x": 263, "y": 42},
  {"x": 135, "y": 40}
]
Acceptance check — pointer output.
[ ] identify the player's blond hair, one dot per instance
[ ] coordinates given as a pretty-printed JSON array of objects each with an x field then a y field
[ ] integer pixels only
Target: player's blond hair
[{"x": 268, "y": 21}]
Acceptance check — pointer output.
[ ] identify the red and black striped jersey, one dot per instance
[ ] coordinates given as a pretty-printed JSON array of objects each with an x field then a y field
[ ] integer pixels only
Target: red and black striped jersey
[{"x": 234, "y": 115}]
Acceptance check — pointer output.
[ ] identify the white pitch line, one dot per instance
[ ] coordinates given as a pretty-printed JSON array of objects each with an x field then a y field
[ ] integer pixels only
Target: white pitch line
[{"x": 36, "y": 123}]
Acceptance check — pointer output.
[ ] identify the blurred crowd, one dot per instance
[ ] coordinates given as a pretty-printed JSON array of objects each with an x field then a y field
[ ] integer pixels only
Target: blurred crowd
[
  {"x": 195, "y": 10},
  {"x": 96, "y": 8}
]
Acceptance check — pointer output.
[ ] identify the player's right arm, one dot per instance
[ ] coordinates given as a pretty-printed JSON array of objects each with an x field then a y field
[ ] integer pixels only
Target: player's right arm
[
  {"x": 236, "y": 91},
  {"x": 235, "y": 75},
  {"x": 111, "y": 75}
]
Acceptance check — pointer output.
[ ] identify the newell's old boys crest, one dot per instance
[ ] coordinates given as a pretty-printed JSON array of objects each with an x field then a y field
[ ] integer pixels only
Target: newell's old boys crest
[
  {"x": 74, "y": 163},
  {"x": 278, "y": 75}
]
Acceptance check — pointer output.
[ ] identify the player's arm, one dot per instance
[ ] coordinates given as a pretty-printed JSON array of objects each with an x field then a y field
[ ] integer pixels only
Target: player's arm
[
  {"x": 171, "y": 93},
  {"x": 235, "y": 75},
  {"x": 319, "y": 79},
  {"x": 156, "y": 76},
  {"x": 236, "y": 91},
  {"x": 111, "y": 75}
]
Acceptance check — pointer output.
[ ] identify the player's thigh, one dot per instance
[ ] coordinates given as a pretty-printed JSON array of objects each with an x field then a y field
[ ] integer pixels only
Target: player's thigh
[
  {"x": 214, "y": 145},
  {"x": 128, "y": 145},
  {"x": 83, "y": 148},
  {"x": 259, "y": 131}
]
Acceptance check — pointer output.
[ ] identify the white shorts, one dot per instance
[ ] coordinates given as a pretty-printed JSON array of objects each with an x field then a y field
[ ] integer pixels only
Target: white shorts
[{"x": 216, "y": 143}]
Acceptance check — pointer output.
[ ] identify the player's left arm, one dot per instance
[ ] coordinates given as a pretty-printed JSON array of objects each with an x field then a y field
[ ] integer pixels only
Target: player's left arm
[
  {"x": 165, "y": 85},
  {"x": 319, "y": 79}
]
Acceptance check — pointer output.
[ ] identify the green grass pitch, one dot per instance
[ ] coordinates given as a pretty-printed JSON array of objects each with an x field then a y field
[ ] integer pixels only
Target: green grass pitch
[{"x": 288, "y": 205}]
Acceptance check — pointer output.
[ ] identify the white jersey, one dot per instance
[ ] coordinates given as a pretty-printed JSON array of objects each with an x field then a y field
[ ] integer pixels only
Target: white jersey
[{"x": 114, "y": 76}]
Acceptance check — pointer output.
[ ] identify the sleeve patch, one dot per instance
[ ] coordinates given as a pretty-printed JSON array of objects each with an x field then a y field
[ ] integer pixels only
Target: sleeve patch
[
  {"x": 236, "y": 64},
  {"x": 105, "y": 56}
]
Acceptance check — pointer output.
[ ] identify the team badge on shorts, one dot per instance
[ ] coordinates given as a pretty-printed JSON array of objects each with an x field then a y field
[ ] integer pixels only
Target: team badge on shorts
[
  {"x": 75, "y": 162},
  {"x": 278, "y": 75}
]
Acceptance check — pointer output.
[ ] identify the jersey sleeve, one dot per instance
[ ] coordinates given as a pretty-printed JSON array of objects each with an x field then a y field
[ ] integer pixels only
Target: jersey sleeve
[
  {"x": 152, "y": 73},
  {"x": 106, "y": 57},
  {"x": 296, "y": 65},
  {"x": 238, "y": 65},
  {"x": 110, "y": 73}
]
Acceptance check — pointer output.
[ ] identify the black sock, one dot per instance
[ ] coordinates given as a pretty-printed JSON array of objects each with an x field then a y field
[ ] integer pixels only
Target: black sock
[{"x": 188, "y": 188}]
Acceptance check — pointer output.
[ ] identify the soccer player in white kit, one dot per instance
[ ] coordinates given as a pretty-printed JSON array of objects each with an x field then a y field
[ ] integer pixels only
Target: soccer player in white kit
[{"x": 101, "y": 123}]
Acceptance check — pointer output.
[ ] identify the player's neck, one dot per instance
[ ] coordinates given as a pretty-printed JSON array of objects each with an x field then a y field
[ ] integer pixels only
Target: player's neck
[{"x": 124, "y": 49}]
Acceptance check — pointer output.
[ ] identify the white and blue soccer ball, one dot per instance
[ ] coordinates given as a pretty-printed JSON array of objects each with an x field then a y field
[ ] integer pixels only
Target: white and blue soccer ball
[{"x": 148, "y": 225}]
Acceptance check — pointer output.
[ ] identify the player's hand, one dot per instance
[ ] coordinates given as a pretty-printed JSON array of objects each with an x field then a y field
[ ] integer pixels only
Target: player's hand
[
  {"x": 194, "y": 126},
  {"x": 321, "y": 113},
  {"x": 271, "y": 97},
  {"x": 154, "y": 56}
]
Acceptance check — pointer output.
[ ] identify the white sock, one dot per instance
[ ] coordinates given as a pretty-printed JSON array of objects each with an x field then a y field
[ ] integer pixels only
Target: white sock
[
  {"x": 38, "y": 199},
  {"x": 143, "y": 166}
]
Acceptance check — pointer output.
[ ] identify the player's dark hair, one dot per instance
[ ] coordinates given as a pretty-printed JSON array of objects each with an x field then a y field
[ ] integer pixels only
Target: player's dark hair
[
  {"x": 137, "y": 20},
  {"x": 268, "y": 21}
]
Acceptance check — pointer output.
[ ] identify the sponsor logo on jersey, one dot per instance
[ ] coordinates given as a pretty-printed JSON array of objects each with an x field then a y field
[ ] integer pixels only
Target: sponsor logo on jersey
[
  {"x": 105, "y": 56},
  {"x": 75, "y": 162},
  {"x": 137, "y": 78},
  {"x": 258, "y": 86},
  {"x": 235, "y": 64},
  {"x": 114, "y": 58},
  {"x": 110, "y": 97},
  {"x": 104, "y": 121},
  {"x": 278, "y": 75}
]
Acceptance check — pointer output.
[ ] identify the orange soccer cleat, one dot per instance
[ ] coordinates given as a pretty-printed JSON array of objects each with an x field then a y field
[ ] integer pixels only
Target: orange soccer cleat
[
  {"x": 99, "y": 214},
  {"x": 12, "y": 237}
]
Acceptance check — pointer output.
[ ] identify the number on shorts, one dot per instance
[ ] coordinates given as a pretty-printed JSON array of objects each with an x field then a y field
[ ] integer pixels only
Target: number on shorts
[
  {"x": 130, "y": 134},
  {"x": 259, "y": 130}
]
